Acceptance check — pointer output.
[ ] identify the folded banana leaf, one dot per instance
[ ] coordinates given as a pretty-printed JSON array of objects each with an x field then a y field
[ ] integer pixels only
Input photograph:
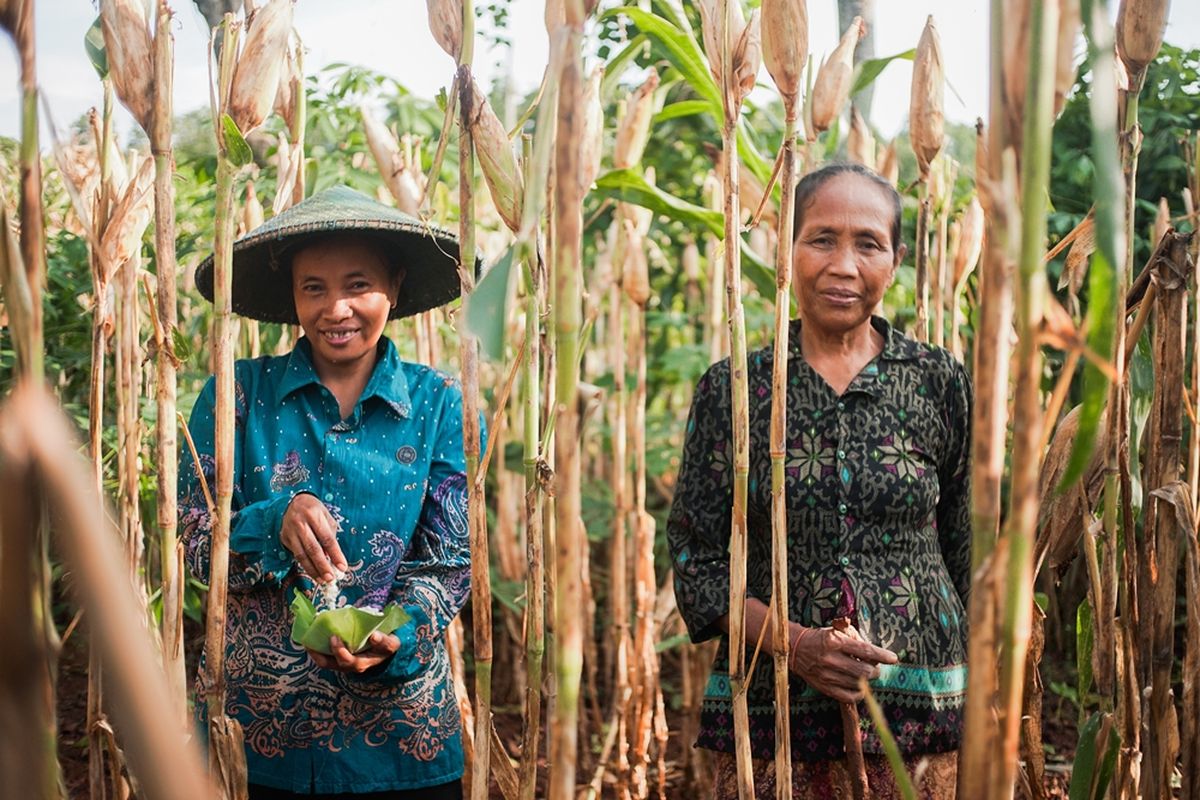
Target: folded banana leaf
[{"x": 350, "y": 624}]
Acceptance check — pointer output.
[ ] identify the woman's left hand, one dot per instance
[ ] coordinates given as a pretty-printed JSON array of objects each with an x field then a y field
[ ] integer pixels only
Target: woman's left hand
[{"x": 380, "y": 647}]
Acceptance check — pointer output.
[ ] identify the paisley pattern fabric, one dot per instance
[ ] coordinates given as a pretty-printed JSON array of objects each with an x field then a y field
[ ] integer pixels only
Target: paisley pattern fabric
[
  {"x": 392, "y": 476},
  {"x": 878, "y": 530}
]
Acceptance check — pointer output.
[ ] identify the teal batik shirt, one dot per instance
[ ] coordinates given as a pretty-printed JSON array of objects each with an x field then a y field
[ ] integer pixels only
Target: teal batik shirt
[{"x": 392, "y": 475}]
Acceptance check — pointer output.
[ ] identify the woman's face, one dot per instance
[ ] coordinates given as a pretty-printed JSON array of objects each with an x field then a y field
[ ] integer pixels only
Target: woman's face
[
  {"x": 343, "y": 293},
  {"x": 844, "y": 257}
]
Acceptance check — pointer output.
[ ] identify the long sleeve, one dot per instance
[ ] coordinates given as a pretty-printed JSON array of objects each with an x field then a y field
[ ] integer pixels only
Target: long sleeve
[
  {"x": 701, "y": 512},
  {"x": 256, "y": 554},
  {"x": 433, "y": 580},
  {"x": 954, "y": 477}
]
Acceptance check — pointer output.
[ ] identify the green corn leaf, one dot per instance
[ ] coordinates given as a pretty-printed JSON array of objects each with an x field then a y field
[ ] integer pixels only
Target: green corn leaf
[
  {"x": 865, "y": 72},
  {"x": 616, "y": 65},
  {"x": 683, "y": 108},
  {"x": 683, "y": 51},
  {"x": 93, "y": 44},
  {"x": 236, "y": 149},
  {"x": 1101, "y": 318},
  {"x": 487, "y": 307},
  {"x": 670, "y": 644},
  {"x": 1084, "y": 643},
  {"x": 629, "y": 186},
  {"x": 1085, "y": 760},
  {"x": 180, "y": 344}
]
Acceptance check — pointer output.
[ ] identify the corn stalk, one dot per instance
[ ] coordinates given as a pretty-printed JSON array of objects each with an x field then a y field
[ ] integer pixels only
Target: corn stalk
[
  {"x": 568, "y": 529},
  {"x": 1027, "y": 415},
  {"x": 468, "y": 351},
  {"x": 990, "y": 418},
  {"x": 38, "y": 456},
  {"x": 227, "y": 758},
  {"x": 166, "y": 438}
]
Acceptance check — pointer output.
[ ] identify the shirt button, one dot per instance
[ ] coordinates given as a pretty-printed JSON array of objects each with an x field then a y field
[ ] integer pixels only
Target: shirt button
[
  {"x": 329, "y": 497},
  {"x": 845, "y": 561},
  {"x": 841, "y": 508},
  {"x": 841, "y": 406},
  {"x": 841, "y": 454}
]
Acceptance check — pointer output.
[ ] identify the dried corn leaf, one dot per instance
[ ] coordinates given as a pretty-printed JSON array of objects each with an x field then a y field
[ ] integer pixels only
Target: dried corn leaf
[
  {"x": 860, "y": 144},
  {"x": 122, "y": 236},
  {"x": 593, "y": 129},
  {"x": 1062, "y": 515},
  {"x": 970, "y": 242},
  {"x": 634, "y": 128}
]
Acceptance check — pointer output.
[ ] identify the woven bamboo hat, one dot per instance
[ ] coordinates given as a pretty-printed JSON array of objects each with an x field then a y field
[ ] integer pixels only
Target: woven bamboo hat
[{"x": 262, "y": 259}]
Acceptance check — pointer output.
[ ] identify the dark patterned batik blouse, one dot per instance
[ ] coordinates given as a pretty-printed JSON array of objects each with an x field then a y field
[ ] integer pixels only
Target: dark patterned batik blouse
[{"x": 878, "y": 530}]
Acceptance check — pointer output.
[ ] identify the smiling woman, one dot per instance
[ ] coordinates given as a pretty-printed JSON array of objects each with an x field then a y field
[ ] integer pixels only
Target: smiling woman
[
  {"x": 877, "y": 506},
  {"x": 349, "y": 488}
]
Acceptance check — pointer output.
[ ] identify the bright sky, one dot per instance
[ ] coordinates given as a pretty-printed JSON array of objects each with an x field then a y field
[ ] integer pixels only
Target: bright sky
[{"x": 393, "y": 37}]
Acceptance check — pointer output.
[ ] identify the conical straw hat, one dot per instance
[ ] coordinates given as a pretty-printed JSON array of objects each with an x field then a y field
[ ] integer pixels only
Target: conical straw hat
[{"x": 262, "y": 285}]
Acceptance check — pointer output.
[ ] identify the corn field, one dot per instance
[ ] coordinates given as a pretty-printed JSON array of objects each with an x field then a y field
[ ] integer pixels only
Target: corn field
[{"x": 635, "y": 219}]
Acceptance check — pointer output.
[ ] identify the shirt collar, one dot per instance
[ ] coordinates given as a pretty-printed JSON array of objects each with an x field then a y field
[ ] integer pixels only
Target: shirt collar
[
  {"x": 387, "y": 382},
  {"x": 896, "y": 346}
]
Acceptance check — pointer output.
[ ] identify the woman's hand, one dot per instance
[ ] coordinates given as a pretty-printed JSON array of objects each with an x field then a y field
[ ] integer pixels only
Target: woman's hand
[
  {"x": 380, "y": 647},
  {"x": 310, "y": 534},
  {"x": 832, "y": 662}
]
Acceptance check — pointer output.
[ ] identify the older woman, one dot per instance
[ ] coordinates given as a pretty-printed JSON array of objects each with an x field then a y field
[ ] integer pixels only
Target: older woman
[
  {"x": 877, "y": 512},
  {"x": 348, "y": 476}
]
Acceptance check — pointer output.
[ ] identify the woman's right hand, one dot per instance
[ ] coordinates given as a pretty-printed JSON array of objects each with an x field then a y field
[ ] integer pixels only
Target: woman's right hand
[
  {"x": 832, "y": 662},
  {"x": 309, "y": 532}
]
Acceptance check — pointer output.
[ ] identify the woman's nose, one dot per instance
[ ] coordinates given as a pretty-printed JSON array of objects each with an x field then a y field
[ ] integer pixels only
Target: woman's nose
[
  {"x": 843, "y": 260},
  {"x": 338, "y": 307}
]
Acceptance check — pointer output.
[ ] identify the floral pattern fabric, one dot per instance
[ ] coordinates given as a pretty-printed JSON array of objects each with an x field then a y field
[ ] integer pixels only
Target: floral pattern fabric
[
  {"x": 393, "y": 477},
  {"x": 878, "y": 528}
]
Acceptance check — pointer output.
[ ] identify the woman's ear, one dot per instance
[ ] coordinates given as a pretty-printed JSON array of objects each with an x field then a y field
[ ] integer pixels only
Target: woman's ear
[
  {"x": 901, "y": 252},
  {"x": 398, "y": 276}
]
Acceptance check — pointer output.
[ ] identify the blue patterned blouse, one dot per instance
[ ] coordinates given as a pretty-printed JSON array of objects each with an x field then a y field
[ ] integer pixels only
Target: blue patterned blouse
[{"x": 392, "y": 476}]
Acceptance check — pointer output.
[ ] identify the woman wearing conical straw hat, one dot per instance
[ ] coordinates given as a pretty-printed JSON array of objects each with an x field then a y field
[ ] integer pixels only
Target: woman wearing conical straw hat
[
  {"x": 878, "y": 518},
  {"x": 349, "y": 493}
]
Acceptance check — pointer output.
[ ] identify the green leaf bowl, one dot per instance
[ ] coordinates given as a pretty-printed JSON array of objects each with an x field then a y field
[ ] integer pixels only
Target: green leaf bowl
[{"x": 352, "y": 625}]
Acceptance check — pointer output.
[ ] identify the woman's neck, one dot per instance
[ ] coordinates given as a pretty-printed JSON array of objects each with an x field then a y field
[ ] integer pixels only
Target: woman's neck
[
  {"x": 346, "y": 381},
  {"x": 839, "y": 356}
]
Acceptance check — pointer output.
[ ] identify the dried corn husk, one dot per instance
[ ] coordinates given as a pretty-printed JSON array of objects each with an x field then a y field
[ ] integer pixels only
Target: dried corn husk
[
  {"x": 745, "y": 41},
  {"x": 691, "y": 262},
  {"x": 889, "y": 165},
  {"x": 593, "y": 129},
  {"x": 635, "y": 269},
  {"x": 129, "y": 47},
  {"x": 634, "y": 128},
  {"x": 970, "y": 241},
  {"x": 860, "y": 144},
  {"x": 834, "y": 79},
  {"x": 288, "y": 164},
  {"x": 291, "y": 84},
  {"x": 785, "y": 46},
  {"x": 926, "y": 120},
  {"x": 1062, "y": 515},
  {"x": 252, "y": 211},
  {"x": 446, "y": 25},
  {"x": 496, "y": 159},
  {"x": 123, "y": 235},
  {"x": 391, "y": 163},
  {"x": 1069, "y": 22},
  {"x": 555, "y": 16},
  {"x": 256, "y": 76},
  {"x": 1140, "y": 28}
]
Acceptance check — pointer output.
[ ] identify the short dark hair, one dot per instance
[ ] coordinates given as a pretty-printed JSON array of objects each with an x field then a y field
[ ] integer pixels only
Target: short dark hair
[{"x": 807, "y": 188}]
